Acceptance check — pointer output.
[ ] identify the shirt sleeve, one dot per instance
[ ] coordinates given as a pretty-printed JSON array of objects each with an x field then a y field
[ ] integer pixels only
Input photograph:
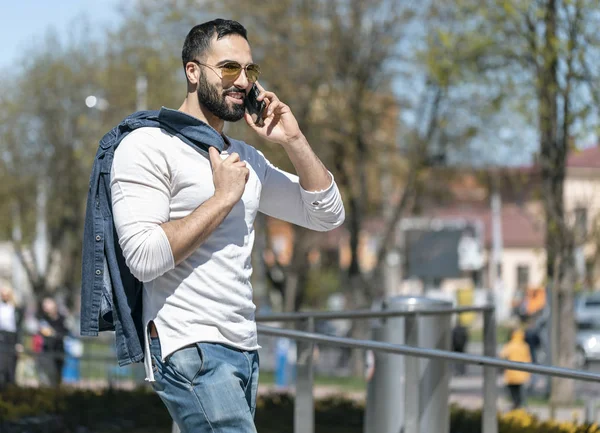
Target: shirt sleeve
[
  {"x": 283, "y": 197},
  {"x": 140, "y": 188}
]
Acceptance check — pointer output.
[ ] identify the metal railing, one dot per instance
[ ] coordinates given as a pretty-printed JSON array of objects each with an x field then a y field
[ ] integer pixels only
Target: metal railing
[
  {"x": 93, "y": 367},
  {"x": 93, "y": 371},
  {"x": 306, "y": 338}
]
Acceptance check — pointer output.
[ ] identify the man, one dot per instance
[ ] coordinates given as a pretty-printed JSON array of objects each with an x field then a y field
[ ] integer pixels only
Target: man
[
  {"x": 53, "y": 329},
  {"x": 185, "y": 225},
  {"x": 460, "y": 339}
]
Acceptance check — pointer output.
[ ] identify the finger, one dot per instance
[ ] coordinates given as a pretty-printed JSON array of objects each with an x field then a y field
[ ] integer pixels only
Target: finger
[
  {"x": 246, "y": 174},
  {"x": 265, "y": 93},
  {"x": 272, "y": 107},
  {"x": 240, "y": 164},
  {"x": 267, "y": 103},
  {"x": 215, "y": 156},
  {"x": 234, "y": 157},
  {"x": 250, "y": 121},
  {"x": 271, "y": 96}
]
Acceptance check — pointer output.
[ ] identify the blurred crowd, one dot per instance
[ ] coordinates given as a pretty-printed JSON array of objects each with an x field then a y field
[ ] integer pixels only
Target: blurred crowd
[{"x": 41, "y": 331}]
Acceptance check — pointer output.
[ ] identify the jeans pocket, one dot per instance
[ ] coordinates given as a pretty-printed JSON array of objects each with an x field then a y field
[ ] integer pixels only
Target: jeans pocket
[
  {"x": 157, "y": 370},
  {"x": 186, "y": 363}
]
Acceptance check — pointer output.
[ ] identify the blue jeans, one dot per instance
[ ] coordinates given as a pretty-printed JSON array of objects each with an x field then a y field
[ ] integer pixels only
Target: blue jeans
[{"x": 208, "y": 387}]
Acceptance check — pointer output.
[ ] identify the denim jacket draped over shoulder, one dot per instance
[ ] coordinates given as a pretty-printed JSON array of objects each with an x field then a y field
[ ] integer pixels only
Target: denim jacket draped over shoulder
[{"x": 111, "y": 297}]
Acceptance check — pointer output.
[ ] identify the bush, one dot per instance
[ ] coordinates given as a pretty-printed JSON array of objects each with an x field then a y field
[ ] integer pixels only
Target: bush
[
  {"x": 469, "y": 421},
  {"x": 74, "y": 411}
]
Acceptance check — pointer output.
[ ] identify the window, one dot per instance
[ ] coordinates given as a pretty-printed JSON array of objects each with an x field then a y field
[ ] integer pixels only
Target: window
[
  {"x": 581, "y": 221},
  {"x": 522, "y": 277}
]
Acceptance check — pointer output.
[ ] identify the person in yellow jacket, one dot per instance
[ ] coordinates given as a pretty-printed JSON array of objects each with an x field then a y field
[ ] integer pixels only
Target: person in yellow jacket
[{"x": 516, "y": 350}]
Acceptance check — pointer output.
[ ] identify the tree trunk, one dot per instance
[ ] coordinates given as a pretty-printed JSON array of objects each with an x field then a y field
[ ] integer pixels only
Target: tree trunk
[
  {"x": 559, "y": 247},
  {"x": 295, "y": 279},
  {"x": 563, "y": 390}
]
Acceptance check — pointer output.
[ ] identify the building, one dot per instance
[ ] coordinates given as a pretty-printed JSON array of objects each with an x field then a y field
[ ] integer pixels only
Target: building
[
  {"x": 521, "y": 216},
  {"x": 523, "y": 259}
]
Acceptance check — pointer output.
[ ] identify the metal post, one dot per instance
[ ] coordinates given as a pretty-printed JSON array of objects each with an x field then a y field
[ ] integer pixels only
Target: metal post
[
  {"x": 497, "y": 248},
  {"x": 304, "y": 409},
  {"x": 591, "y": 406},
  {"x": 489, "y": 418},
  {"x": 411, "y": 377},
  {"x": 141, "y": 87},
  {"x": 407, "y": 393},
  {"x": 384, "y": 412}
]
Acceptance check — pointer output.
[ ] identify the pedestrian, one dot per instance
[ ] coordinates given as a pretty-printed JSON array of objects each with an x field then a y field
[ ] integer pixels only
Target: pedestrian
[
  {"x": 516, "y": 350},
  {"x": 460, "y": 339},
  {"x": 53, "y": 330},
  {"x": 184, "y": 221},
  {"x": 11, "y": 317},
  {"x": 534, "y": 341}
]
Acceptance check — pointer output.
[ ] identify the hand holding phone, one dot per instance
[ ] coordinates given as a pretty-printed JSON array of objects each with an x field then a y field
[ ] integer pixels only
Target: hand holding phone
[
  {"x": 281, "y": 127},
  {"x": 254, "y": 107}
]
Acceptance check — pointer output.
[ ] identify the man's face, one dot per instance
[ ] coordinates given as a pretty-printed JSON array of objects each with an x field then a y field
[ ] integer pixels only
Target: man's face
[
  {"x": 49, "y": 306},
  {"x": 224, "y": 98}
]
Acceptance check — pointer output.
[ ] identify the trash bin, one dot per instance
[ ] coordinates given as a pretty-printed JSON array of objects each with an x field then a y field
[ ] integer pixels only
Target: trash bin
[{"x": 385, "y": 411}]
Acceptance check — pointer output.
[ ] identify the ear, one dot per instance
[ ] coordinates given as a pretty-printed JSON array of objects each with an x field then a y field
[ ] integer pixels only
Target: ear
[{"x": 192, "y": 72}]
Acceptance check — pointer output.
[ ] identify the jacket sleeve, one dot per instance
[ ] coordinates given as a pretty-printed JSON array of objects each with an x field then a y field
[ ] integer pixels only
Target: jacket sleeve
[
  {"x": 140, "y": 188},
  {"x": 282, "y": 197}
]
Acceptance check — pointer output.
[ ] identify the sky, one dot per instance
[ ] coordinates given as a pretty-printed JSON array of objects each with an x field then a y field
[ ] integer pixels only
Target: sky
[{"x": 25, "y": 22}]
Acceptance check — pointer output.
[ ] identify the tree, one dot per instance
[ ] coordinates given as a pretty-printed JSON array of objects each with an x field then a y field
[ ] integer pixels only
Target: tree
[
  {"x": 46, "y": 148},
  {"x": 49, "y": 136},
  {"x": 538, "y": 56}
]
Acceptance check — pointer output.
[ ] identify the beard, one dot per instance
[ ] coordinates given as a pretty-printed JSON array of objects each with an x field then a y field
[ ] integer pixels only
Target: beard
[{"x": 217, "y": 104}]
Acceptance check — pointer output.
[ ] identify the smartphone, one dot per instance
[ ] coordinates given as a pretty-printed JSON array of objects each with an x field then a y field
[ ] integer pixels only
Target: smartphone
[{"x": 253, "y": 107}]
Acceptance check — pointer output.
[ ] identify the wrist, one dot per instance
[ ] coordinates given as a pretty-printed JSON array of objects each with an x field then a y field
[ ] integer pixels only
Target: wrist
[
  {"x": 224, "y": 200},
  {"x": 295, "y": 141}
]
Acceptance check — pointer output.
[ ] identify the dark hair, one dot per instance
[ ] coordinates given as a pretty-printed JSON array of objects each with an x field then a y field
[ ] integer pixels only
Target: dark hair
[{"x": 199, "y": 38}]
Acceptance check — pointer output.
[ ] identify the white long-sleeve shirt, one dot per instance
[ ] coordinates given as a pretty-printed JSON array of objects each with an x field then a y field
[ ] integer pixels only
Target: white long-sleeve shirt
[{"x": 157, "y": 178}]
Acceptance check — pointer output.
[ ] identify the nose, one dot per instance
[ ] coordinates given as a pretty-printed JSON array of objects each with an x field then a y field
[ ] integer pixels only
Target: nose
[{"x": 242, "y": 81}]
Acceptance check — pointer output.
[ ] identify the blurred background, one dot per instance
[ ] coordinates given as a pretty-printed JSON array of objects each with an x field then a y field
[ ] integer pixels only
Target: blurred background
[{"x": 463, "y": 135}]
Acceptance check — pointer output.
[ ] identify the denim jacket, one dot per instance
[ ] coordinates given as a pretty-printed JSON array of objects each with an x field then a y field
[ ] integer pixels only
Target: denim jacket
[{"x": 111, "y": 297}]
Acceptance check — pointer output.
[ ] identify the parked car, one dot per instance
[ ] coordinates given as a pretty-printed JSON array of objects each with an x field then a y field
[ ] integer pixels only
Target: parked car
[
  {"x": 588, "y": 343},
  {"x": 587, "y": 318},
  {"x": 587, "y": 338},
  {"x": 587, "y": 307}
]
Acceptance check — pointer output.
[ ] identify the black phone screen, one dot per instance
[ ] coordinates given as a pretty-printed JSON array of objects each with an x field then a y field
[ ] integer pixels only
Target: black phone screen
[{"x": 253, "y": 107}]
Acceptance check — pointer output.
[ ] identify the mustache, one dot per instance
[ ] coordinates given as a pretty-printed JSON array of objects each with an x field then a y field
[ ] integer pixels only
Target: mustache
[{"x": 234, "y": 89}]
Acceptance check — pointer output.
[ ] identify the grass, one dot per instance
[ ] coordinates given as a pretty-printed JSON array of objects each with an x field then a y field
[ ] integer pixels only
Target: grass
[
  {"x": 502, "y": 332},
  {"x": 98, "y": 369},
  {"x": 344, "y": 383}
]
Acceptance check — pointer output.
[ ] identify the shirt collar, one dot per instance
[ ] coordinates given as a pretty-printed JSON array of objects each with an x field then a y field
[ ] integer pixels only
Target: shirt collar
[{"x": 191, "y": 128}]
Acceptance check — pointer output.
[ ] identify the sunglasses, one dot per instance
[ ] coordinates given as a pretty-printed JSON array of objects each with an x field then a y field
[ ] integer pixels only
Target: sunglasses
[{"x": 232, "y": 70}]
